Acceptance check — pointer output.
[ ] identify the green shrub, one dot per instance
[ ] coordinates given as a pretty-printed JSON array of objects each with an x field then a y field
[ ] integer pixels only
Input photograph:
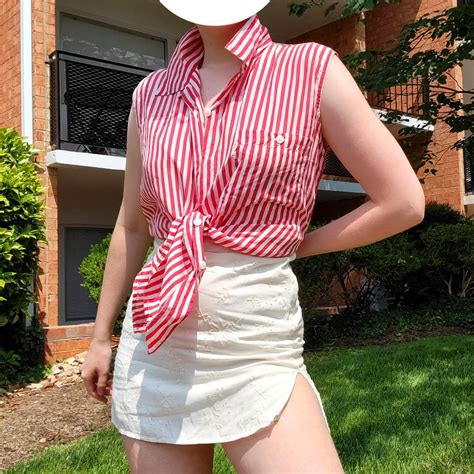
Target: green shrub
[
  {"x": 435, "y": 213},
  {"x": 9, "y": 367},
  {"x": 428, "y": 282},
  {"x": 22, "y": 228},
  {"x": 21, "y": 358},
  {"x": 21, "y": 225},
  {"x": 92, "y": 267},
  {"x": 442, "y": 312},
  {"x": 432, "y": 259},
  {"x": 387, "y": 264},
  {"x": 450, "y": 257},
  {"x": 317, "y": 274},
  {"x": 92, "y": 270}
]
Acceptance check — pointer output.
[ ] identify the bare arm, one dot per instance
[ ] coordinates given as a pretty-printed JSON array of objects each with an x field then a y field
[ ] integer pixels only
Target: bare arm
[
  {"x": 374, "y": 157},
  {"x": 129, "y": 243},
  {"x": 127, "y": 250}
]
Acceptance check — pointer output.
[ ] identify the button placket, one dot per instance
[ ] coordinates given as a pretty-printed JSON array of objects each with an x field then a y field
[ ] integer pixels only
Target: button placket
[{"x": 197, "y": 221}]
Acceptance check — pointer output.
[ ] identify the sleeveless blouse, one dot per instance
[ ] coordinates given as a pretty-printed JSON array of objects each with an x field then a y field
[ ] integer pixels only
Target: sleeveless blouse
[{"x": 242, "y": 172}]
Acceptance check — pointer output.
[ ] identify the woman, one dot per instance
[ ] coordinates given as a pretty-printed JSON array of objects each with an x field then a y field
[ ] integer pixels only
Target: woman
[{"x": 225, "y": 150}]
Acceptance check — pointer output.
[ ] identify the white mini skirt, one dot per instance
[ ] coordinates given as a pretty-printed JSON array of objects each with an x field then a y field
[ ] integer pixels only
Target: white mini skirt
[{"x": 228, "y": 369}]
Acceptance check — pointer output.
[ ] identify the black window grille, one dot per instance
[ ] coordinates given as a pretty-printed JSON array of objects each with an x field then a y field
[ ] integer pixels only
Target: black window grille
[
  {"x": 90, "y": 103},
  {"x": 407, "y": 98},
  {"x": 468, "y": 157}
]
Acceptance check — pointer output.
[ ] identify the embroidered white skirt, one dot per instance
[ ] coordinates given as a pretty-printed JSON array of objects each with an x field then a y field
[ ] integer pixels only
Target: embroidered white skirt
[{"x": 228, "y": 369}]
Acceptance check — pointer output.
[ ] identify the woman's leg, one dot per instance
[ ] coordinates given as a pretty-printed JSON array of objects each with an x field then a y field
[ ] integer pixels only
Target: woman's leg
[
  {"x": 145, "y": 457},
  {"x": 298, "y": 442}
]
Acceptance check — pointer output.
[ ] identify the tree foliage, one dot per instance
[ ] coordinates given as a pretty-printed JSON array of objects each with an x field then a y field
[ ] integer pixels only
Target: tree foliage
[{"x": 427, "y": 48}]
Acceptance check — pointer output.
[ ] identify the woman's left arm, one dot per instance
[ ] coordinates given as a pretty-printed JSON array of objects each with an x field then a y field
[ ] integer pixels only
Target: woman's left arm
[{"x": 374, "y": 158}]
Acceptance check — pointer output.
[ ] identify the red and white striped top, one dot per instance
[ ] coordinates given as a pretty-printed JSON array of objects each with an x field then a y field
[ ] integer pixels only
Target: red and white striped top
[{"x": 243, "y": 171}]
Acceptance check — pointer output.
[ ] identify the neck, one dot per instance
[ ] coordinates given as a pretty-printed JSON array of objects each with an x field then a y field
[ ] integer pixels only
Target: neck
[{"x": 214, "y": 39}]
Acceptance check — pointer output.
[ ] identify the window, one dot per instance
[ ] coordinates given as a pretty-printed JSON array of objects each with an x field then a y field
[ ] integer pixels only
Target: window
[
  {"x": 102, "y": 41},
  {"x": 78, "y": 307}
]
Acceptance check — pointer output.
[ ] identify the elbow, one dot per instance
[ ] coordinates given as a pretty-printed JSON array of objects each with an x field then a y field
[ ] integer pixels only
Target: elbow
[{"x": 412, "y": 210}]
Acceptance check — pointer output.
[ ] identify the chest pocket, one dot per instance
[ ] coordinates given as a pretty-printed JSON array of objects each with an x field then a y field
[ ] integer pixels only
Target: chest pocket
[{"x": 269, "y": 166}]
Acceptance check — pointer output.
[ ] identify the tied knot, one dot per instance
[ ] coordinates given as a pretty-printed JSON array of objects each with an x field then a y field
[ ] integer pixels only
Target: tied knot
[{"x": 166, "y": 287}]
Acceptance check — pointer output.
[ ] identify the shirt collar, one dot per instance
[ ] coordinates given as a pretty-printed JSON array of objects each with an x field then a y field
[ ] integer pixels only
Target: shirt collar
[{"x": 249, "y": 41}]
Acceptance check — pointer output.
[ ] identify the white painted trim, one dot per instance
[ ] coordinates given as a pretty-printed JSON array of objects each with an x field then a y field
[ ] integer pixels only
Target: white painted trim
[
  {"x": 26, "y": 70},
  {"x": 341, "y": 187},
  {"x": 64, "y": 158},
  {"x": 469, "y": 199},
  {"x": 26, "y": 99},
  {"x": 406, "y": 121}
]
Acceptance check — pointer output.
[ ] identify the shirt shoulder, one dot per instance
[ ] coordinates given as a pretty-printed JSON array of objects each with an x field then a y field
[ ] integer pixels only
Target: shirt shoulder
[
  {"x": 313, "y": 54},
  {"x": 143, "y": 91},
  {"x": 149, "y": 82},
  {"x": 313, "y": 45}
]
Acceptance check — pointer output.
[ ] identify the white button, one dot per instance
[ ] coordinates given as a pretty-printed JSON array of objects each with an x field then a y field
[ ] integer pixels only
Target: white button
[
  {"x": 197, "y": 221},
  {"x": 202, "y": 264},
  {"x": 280, "y": 138},
  {"x": 207, "y": 112}
]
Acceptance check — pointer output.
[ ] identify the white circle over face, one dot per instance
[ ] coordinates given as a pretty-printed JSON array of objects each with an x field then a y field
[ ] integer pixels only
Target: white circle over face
[{"x": 214, "y": 12}]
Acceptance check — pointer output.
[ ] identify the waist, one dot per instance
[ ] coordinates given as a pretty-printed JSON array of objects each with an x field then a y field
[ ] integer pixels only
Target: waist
[
  {"x": 218, "y": 253},
  {"x": 209, "y": 246}
]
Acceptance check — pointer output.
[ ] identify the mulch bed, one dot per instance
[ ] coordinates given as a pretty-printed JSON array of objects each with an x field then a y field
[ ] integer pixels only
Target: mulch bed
[{"x": 32, "y": 420}]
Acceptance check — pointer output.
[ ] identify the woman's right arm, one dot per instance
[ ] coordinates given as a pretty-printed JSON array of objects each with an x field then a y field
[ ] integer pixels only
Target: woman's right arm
[{"x": 128, "y": 246}]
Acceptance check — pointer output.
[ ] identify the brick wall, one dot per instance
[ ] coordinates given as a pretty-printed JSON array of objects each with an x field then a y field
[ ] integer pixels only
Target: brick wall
[
  {"x": 60, "y": 342},
  {"x": 381, "y": 29},
  {"x": 44, "y": 40},
  {"x": 344, "y": 35},
  {"x": 10, "y": 85},
  {"x": 384, "y": 24}
]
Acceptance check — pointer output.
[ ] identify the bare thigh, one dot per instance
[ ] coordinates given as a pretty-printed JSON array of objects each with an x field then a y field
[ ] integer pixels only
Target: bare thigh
[
  {"x": 145, "y": 457},
  {"x": 298, "y": 442}
]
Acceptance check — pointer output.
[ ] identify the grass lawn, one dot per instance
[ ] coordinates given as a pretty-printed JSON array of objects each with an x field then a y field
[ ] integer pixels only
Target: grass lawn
[{"x": 404, "y": 408}]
